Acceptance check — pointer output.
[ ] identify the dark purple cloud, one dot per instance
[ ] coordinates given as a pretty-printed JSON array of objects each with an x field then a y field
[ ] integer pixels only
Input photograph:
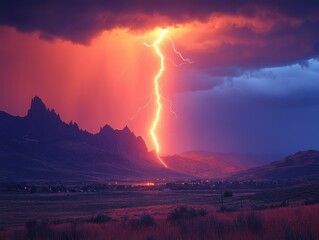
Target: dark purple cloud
[
  {"x": 250, "y": 106},
  {"x": 81, "y": 20},
  {"x": 274, "y": 33},
  {"x": 250, "y": 49}
]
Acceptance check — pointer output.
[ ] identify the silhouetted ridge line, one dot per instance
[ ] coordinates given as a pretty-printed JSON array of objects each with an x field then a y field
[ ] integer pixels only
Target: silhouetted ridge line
[{"x": 40, "y": 146}]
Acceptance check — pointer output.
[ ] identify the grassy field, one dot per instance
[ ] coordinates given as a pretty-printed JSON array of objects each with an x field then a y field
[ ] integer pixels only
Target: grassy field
[
  {"x": 17, "y": 208},
  {"x": 183, "y": 223},
  {"x": 278, "y": 213}
]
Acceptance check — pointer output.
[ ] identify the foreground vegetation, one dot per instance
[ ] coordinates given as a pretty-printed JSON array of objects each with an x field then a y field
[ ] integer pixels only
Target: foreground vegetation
[
  {"x": 214, "y": 211},
  {"x": 181, "y": 223}
]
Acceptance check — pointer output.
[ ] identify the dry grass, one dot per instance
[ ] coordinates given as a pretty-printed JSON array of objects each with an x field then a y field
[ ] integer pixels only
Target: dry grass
[{"x": 283, "y": 223}]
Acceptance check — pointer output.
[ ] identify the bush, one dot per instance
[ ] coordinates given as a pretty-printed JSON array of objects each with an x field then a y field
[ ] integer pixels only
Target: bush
[
  {"x": 284, "y": 204},
  {"x": 202, "y": 212},
  {"x": 181, "y": 213},
  {"x": 144, "y": 221},
  {"x": 218, "y": 226},
  {"x": 70, "y": 233},
  {"x": 37, "y": 229},
  {"x": 222, "y": 208},
  {"x": 124, "y": 220},
  {"x": 101, "y": 218},
  {"x": 251, "y": 222},
  {"x": 31, "y": 226},
  {"x": 185, "y": 213},
  {"x": 291, "y": 234},
  {"x": 311, "y": 201}
]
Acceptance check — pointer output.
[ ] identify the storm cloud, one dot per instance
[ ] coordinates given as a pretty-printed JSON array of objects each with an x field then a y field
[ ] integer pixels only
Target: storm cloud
[{"x": 80, "y": 21}]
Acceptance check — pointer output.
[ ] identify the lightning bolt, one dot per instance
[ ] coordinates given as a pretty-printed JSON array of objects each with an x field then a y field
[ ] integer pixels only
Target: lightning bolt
[
  {"x": 157, "y": 94},
  {"x": 170, "y": 107},
  {"x": 143, "y": 107},
  {"x": 140, "y": 109},
  {"x": 157, "y": 87},
  {"x": 185, "y": 60}
]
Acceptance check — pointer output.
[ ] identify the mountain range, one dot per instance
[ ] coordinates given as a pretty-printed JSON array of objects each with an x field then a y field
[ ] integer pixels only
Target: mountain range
[
  {"x": 205, "y": 164},
  {"x": 40, "y": 146}
]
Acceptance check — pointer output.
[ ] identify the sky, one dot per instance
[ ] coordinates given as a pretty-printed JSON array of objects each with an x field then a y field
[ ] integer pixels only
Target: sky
[{"x": 252, "y": 86}]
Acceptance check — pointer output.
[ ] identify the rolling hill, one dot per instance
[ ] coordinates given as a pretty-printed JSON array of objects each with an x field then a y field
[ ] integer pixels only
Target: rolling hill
[
  {"x": 301, "y": 165},
  {"x": 204, "y": 164}
]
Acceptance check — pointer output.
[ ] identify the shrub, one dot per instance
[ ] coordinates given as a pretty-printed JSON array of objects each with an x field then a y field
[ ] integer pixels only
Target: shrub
[
  {"x": 144, "y": 221},
  {"x": 202, "y": 212},
  {"x": 284, "y": 204},
  {"x": 251, "y": 221},
  {"x": 311, "y": 201},
  {"x": 200, "y": 227},
  {"x": 222, "y": 208},
  {"x": 181, "y": 213},
  {"x": 31, "y": 226},
  {"x": 37, "y": 229},
  {"x": 70, "y": 233},
  {"x": 101, "y": 218},
  {"x": 185, "y": 213},
  {"x": 291, "y": 234},
  {"x": 218, "y": 226},
  {"x": 124, "y": 220}
]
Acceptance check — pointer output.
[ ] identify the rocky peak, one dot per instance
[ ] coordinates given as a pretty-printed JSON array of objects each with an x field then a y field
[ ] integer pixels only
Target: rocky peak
[
  {"x": 107, "y": 129},
  {"x": 38, "y": 111},
  {"x": 127, "y": 132},
  {"x": 126, "y": 129},
  {"x": 37, "y": 106}
]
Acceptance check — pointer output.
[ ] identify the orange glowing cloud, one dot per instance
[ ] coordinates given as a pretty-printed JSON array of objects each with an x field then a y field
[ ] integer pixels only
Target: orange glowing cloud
[
  {"x": 97, "y": 70},
  {"x": 103, "y": 83}
]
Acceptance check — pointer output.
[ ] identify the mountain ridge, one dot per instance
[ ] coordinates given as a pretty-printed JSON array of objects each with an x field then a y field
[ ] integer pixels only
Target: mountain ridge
[
  {"x": 41, "y": 142},
  {"x": 298, "y": 166},
  {"x": 203, "y": 165}
]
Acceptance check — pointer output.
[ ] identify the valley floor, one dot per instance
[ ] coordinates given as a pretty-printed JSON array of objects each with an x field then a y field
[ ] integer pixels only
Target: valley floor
[{"x": 284, "y": 212}]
